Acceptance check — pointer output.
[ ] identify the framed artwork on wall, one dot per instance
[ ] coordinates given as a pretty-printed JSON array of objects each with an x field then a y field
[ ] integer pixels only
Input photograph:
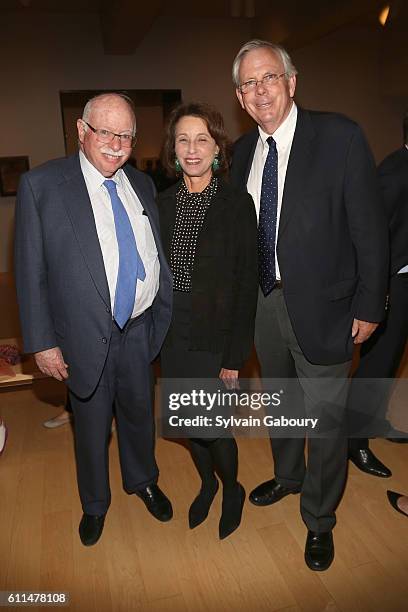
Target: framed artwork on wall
[{"x": 11, "y": 168}]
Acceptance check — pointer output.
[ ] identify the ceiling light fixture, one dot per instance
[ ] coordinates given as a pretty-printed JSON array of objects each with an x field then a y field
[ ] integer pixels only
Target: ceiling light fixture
[{"x": 383, "y": 16}]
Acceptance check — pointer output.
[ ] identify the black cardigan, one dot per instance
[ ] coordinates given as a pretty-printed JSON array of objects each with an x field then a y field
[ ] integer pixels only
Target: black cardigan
[{"x": 225, "y": 276}]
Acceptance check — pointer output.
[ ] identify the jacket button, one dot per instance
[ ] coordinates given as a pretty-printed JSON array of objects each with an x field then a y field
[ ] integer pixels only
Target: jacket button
[
  {"x": 104, "y": 340},
  {"x": 108, "y": 309}
]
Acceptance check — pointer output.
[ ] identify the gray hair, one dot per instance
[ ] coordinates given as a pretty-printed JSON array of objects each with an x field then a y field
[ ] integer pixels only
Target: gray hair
[
  {"x": 86, "y": 113},
  {"x": 283, "y": 55}
]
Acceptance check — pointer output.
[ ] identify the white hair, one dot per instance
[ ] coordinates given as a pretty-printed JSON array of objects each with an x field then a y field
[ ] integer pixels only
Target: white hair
[
  {"x": 86, "y": 113},
  {"x": 283, "y": 55}
]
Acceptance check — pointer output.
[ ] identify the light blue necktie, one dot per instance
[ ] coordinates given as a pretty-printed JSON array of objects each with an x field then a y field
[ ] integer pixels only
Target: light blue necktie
[
  {"x": 267, "y": 220},
  {"x": 131, "y": 265}
]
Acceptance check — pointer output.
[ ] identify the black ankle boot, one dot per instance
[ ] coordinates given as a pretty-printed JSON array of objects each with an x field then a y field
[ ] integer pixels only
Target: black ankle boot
[
  {"x": 201, "y": 505},
  {"x": 232, "y": 505}
]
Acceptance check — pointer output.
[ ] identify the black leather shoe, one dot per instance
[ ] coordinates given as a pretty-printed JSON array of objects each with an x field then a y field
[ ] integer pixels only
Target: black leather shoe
[
  {"x": 270, "y": 492},
  {"x": 393, "y": 498},
  {"x": 90, "y": 528},
  {"x": 365, "y": 460},
  {"x": 319, "y": 550},
  {"x": 156, "y": 502}
]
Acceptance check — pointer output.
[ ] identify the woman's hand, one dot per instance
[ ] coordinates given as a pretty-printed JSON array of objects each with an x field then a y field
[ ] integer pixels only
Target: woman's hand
[{"x": 229, "y": 378}]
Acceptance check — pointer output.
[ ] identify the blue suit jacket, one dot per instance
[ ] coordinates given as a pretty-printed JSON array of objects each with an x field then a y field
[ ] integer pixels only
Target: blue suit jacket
[{"x": 61, "y": 283}]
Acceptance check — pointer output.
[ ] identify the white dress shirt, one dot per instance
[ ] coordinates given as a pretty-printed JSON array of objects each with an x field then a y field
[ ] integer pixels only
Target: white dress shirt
[
  {"x": 105, "y": 228},
  {"x": 283, "y": 137}
]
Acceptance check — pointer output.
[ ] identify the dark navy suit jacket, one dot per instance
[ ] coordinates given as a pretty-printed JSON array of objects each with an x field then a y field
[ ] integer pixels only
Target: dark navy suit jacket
[
  {"x": 62, "y": 288},
  {"x": 332, "y": 240}
]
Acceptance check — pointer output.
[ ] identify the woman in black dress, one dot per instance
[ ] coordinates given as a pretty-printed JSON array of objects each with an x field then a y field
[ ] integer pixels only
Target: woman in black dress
[{"x": 209, "y": 234}]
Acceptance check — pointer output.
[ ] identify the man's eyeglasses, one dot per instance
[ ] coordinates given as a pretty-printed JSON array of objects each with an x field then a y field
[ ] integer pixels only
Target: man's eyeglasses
[
  {"x": 268, "y": 81},
  {"x": 126, "y": 140}
]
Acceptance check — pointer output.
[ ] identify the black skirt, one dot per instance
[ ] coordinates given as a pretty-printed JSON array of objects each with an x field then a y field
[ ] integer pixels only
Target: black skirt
[{"x": 177, "y": 359}]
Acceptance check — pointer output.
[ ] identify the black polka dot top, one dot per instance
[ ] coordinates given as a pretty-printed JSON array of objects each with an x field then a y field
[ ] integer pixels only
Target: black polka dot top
[{"x": 190, "y": 213}]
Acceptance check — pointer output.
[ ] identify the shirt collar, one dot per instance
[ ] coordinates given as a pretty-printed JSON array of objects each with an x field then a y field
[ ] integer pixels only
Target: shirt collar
[
  {"x": 210, "y": 189},
  {"x": 94, "y": 179},
  {"x": 284, "y": 134}
]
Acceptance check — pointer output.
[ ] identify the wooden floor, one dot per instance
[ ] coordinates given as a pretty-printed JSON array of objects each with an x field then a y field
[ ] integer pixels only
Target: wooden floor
[{"x": 141, "y": 564}]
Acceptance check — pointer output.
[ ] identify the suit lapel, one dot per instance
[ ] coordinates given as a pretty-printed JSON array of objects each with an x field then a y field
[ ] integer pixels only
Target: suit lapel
[
  {"x": 251, "y": 152},
  {"x": 298, "y": 168},
  {"x": 147, "y": 201},
  {"x": 79, "y": 209},
  {"x": 244, "y": 159},
  {"x": 217, "y": 205},
  {"x": 168, "y": 216},
  {"x": 145, "y": 198}
]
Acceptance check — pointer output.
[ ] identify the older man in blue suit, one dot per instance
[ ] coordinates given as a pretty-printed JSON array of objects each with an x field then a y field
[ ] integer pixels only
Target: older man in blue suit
[{"x": 94, "y": 293}]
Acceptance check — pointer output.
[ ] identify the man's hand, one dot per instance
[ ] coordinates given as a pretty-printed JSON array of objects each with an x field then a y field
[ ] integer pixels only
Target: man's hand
[
  {"x": 51, "y": 363},
  {"x": 362, "y": 330},
  {"x": 229, "y": 378}
]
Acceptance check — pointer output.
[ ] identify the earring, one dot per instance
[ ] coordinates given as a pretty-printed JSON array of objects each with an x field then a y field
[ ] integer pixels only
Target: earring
[
  {"x": 215, "y": 164},
  {"x": 177, "y": 165}
]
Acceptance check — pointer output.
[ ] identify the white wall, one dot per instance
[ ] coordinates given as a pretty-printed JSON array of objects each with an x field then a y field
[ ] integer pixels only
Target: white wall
[
  {"x": 49, "y": 53},
  {"x": 343, "y": 72}
]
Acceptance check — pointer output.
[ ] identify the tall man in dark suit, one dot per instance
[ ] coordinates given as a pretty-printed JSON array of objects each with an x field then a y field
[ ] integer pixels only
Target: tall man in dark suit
[
  {"x": 323, "y": 264},
  {"x": 381, "y": 355},
  {"x": 94, "y": 293}
]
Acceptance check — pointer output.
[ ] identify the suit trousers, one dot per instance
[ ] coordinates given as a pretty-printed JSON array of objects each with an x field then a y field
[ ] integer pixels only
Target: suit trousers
[
  {"x": 322, "y": 480},
  {"x": 125, "y": 386},
  {"x": 380, "y": 358}
]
